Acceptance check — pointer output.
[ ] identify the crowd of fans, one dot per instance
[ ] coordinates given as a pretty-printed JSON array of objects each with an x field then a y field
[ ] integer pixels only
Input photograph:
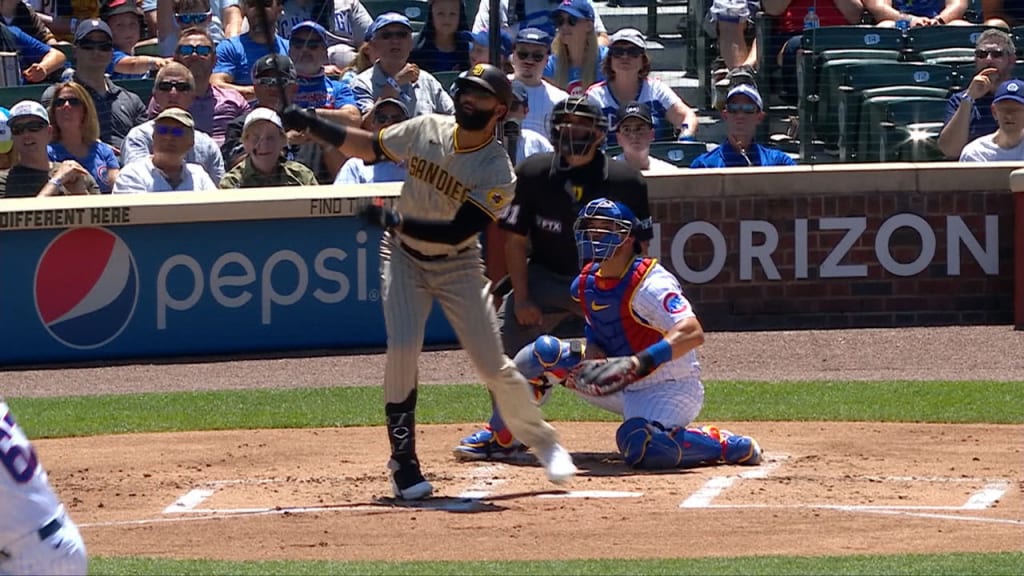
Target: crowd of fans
[{"x": 213, "y": 120}]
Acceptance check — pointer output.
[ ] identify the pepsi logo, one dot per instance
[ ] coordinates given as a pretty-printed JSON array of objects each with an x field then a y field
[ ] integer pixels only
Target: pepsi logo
[{"x": 86, "y": 287}]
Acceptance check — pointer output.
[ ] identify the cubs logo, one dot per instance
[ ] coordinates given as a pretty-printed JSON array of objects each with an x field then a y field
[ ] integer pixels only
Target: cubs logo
[{"x": 674, "y": 303}]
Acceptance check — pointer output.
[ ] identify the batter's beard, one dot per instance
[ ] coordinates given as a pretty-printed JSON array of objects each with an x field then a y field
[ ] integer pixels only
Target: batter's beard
[{"x": 476, "y": 120}]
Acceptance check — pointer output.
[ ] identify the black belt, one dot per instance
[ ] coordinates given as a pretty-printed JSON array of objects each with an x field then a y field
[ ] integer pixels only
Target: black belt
[
  {"x": 429, "y": 257},
  {"x": 51, "y": 528}
]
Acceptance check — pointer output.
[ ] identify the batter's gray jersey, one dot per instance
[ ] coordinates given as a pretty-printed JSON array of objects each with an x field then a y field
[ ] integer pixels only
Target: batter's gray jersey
[{"x": 441, "y": 177}]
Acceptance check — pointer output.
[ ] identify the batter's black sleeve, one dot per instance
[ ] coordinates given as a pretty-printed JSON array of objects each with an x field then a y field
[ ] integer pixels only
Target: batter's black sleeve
[
  {"x": 637, "y": 201},
  {"x": 469, "y": 220}
]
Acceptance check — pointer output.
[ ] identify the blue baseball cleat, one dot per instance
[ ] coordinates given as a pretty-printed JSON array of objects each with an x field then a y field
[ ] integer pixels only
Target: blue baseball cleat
[{"x": 484, "y": 445}]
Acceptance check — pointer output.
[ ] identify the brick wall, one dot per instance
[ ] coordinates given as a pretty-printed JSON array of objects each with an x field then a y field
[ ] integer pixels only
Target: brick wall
[{"x": 817, "y": 277}]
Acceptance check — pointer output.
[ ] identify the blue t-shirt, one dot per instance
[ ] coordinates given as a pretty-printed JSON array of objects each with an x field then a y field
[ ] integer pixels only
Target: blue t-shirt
[
  {"x": 118, "y": 56},
  {"x": 923, "y": 8},
  {"x": 98, "y": 162},
  {"x": 236, "y": 56},
  {"x": 323, "y": 92},
  {"x": 725, "y": 156},
  {"x": 982, "y": 122},
  {"x": 433, "y": 60},
  {"x": 30, "y": 50},
  {"x": 576, "y": 87}
]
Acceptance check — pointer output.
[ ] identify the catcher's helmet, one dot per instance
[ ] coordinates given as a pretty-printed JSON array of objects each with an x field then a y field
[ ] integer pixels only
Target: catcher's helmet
[
  {"x": 488, "y": 77},
  {"x": 577, "y": 139},
  {"x": 602, "y": 226}
]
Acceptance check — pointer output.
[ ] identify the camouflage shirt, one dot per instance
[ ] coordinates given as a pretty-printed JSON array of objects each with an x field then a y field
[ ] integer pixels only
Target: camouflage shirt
[{"x": 286, "y": 173}]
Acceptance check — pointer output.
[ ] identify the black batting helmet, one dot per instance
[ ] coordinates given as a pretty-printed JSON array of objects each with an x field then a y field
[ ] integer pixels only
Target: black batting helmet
[{"x": 490, "y": 78}]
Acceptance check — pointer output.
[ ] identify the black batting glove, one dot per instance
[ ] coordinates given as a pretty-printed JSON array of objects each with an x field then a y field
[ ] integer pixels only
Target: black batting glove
[
  {"x": 296, "y": 118},
  {"x": 380, "y": 216}
]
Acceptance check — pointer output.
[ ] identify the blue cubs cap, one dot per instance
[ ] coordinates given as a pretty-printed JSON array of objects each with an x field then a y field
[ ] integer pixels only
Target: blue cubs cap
[
  {"x": 384, "y": 20},
  {"x": 534, "y": 36},
  {"x": 310, "y": 25},
  {"x": 746, "y": 90},
  {"x": 578, "y": 8},
  {"x": 483, "y": 38},
  {"x": 1012, "y": 89}
]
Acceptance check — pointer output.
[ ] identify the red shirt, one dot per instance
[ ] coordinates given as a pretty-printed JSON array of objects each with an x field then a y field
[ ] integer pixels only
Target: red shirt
[{"x": 791, "y": 22}]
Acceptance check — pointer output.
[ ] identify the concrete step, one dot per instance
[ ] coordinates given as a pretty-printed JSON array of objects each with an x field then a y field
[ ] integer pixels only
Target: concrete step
[
  {"x": 667, "y": 53},
  {"x": 622, "y": 17}
]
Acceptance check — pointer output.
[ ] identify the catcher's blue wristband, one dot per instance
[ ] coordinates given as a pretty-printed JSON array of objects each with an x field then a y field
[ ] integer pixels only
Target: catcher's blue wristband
[{"x": 658, "y": 353}]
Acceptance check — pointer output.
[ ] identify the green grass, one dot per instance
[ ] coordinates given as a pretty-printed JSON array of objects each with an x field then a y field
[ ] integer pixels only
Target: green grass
[
  {"x": 946, "y": 564},
  {"x": 949, "y": 402}
]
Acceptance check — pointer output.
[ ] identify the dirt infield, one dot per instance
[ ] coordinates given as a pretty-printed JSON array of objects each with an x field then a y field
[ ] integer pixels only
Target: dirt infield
[{"x": 825, "y": 488}]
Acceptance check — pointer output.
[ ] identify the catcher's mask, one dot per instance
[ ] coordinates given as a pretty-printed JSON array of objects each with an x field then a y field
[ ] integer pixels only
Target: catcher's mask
[
  {"x": 602, "y": 226},
  {"x": 577, "y": 127}
]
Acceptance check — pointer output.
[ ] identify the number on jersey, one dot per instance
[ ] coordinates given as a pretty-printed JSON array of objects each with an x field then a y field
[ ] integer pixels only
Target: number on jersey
[{"x": 16, "y": 454}]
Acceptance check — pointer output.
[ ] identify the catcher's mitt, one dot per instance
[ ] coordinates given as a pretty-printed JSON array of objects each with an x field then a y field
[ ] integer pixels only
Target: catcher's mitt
[{"x": 603, "y": 376}]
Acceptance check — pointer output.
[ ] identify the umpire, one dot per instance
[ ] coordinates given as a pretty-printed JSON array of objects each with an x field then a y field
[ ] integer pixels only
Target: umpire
[{"x": 540, "y": 249}]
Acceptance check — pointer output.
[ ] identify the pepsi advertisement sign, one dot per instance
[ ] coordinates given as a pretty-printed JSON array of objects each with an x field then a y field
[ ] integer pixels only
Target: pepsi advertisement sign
[{"x": 94, "y": 293}]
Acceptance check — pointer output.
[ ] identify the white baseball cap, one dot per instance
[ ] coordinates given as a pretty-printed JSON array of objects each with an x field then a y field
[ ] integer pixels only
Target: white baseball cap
[
  {"x": 29, "y": 108},
  {"x": 263, "y": 113}
]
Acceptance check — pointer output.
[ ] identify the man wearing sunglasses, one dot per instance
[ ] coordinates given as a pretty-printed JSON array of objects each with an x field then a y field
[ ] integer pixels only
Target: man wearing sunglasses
[
  {"x": 166, "y": 170},
  {"x": 34, "y": 174},
  {"x": 386, "y": 112},
  {"x": 968, "y": 115},
  {"x": 174, "y": 87},
  {"x": 393, "y": 76},
  {"x": 744, "y": 111},
  {"x": 236, "y": 56},
  {"x": 519, "y": 14},
  {"x": 529, "y": 58},
  {"x": 308, "y": 51},
  {"x": 119, "y": 110}
]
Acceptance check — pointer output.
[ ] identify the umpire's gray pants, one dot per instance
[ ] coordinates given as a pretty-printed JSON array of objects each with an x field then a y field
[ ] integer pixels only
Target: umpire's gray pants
[{"x": 550, "y": 292}]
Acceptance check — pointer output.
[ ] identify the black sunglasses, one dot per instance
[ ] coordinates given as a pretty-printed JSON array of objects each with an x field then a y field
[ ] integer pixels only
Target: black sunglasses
[
  {"x": 186, "y": 50},
  {"x": 60, "y": 102},
  {"x": 981, "y": 54},
  {"x": 388, "y": 35},
  {"x": 272, "y": 81},
  {"x": 92, "y": 45},
  {"x": 527, "y": 55},
  {"x": 632, "y": 52},
  {"x": 168, "y": 85},
  {"x": 742, "y": 108},
  {"x": 569, "y": 19},
  {"x": 20, "y": 129}
]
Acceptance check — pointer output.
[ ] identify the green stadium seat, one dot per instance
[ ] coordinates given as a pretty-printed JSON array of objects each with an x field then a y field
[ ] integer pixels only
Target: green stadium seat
[
  {"x": 414, "y": 10},
  {"x": 446, "y": 78},
  {"x": 928, "y": 38},
  {"x": 144, "y": 88},
  {"x": 852, "y": 37},
  {"x": 948, "y": 56},
  {"x": 148, "y": 50},
  {"x": 818, "y": 101},
  {"x": 14, "y": 94},
  {"x": 884, "y": 120},
  {"x": 680, "y": 154}
]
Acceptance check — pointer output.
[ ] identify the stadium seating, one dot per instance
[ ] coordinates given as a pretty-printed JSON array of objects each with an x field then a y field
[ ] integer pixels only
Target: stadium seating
[
  {"x": 446, "y": 78},
  {"x": 414, "y": 10},
  {"x": 680, "y": 154}
]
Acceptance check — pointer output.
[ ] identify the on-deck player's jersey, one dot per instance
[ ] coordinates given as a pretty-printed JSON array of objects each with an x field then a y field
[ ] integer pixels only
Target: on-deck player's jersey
[
  {"x": 28, "y": 501},
  {"x": 625, "y": 315},
  {"x": 441, "y": 177}
]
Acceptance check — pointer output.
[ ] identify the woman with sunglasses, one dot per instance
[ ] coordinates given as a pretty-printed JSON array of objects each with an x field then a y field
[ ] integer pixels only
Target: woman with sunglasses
[
  {"x": 32, "y": 172},
  {"x": 443, "y": 44},
  {"x": 76, "y": 134},
  {"x": 576, "y": 54},
  {"x": 626, "y": 68}
]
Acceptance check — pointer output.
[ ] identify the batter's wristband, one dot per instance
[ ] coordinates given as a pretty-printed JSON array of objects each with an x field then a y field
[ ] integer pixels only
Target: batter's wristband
[{"x": 655, "y": 355}]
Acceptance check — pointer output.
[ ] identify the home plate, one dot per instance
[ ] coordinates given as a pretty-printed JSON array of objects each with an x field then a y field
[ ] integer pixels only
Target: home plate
[{"x": 593, "y": 494}]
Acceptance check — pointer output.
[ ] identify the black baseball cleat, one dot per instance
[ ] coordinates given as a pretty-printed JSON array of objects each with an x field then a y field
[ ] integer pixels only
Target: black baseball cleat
[{"x": 407, "y": 482}]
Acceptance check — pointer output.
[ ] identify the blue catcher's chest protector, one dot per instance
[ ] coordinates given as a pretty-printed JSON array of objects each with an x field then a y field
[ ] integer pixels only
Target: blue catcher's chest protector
[{"x": 607, "y": 306}]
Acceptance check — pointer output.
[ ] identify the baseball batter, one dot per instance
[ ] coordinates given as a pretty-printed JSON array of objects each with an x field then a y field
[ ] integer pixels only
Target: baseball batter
[
  {"x": 459, "y": 179},
  {"x": 36, "y": 535},
  {"x": 635, "y": 309}
]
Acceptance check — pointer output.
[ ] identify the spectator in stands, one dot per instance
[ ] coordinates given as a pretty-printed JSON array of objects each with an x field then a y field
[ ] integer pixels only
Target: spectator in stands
[
  {"x": 34, "y": 174},
  {"x": 1006, "y": 144},
  {"x": 635, "y": 126},
  {"x": 125, "y": 21},
  {"x": 744, "y": 111},
  {"x": 480, "y": 49},
  {"x": 922, "y": 13},
  {"x": 731, "y": 22},
  {"x": 175, "y": 88},
  {"x": 527, "y": 142},
  {"x": 63, "y": 17},
  {"x": 269, "y": 73},
  {"x": 308, "y": 51},
  {"x": 213, "y": 107},
  {"x": 365, "y": 57},
  {"x": 519, "y": 14},
  {"x": 968, "y": 116},
  {"x": 576, "y": 55},
  {"x": 347, "y": 21},
  {"x": 264, "y": 139},
  {"x": 1003, "y": 13},
  {"x": 443, "y": 44},
  {"x": 221, "y": 18},
  {"x": 76, "y": 134},
  {"x": 393, "y": 76},
  {"x": 19, "y": 13},
  {"x": 529, "y": 58},
  {"x": 236, "y": 56},
  {"x": 166, "y": 170},
  {"x": 119, "y": 110},
  {"x": 627, "y": 68},
  {"x": 783, "y": 45},
  {"x": 386, "y": 112},
  {"x": 36, "y": 59}
]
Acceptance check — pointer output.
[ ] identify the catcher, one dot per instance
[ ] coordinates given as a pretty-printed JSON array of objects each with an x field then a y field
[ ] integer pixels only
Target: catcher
[{"x": 636, "y": 313}]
